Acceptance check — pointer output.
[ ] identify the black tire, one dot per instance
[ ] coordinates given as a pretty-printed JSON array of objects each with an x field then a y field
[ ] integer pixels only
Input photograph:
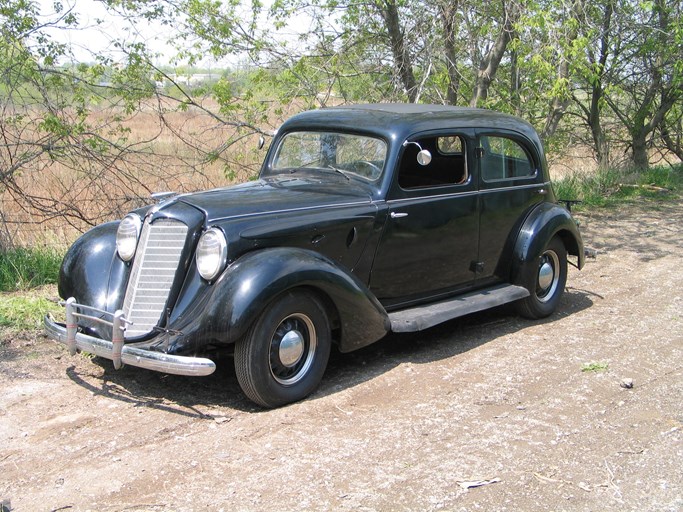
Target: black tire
[
  {"x": 284, "y": 354},
  {"x": 545, "y": 278}
]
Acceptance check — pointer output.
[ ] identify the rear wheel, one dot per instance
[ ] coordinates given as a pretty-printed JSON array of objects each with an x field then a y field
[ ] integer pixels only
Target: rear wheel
[
  {"x": 284, "y": 354},
  {"x": 545, "y": 278}
]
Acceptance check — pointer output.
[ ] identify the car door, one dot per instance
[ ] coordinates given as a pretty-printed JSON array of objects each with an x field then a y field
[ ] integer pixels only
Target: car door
[
  {"x": 510, "y": 184},
  {"x": 430, "y": 239}
]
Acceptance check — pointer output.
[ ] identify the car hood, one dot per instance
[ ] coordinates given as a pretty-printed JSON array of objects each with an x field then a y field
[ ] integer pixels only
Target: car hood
[{"x": 275, "y": 195}]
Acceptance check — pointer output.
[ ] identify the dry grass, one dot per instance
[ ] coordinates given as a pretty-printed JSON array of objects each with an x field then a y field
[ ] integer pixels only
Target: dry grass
[
  {"x": 575, "y": 159},
  {"x": 174, "y": 150},
  {"x": 166, "y": 150}
]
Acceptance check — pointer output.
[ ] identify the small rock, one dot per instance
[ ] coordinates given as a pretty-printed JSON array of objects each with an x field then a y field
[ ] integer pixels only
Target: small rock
[
  {"x": 584, "y": 486},
  {"x": 626, "y": 383}
]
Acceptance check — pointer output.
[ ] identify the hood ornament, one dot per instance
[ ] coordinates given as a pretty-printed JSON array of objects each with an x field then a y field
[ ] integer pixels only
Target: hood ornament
[{"x": 160, "y": 196}]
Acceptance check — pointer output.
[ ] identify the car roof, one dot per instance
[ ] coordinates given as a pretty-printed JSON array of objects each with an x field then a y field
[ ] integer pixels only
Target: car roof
[{"x": 400, "y": 120}]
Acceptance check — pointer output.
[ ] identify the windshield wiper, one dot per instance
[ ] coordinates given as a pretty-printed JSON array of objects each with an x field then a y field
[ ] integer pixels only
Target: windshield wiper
[{"x": 335, "y": 169}]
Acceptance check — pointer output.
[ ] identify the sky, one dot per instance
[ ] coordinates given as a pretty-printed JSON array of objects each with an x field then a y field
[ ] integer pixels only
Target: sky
[{"x": 99, "y": 29}]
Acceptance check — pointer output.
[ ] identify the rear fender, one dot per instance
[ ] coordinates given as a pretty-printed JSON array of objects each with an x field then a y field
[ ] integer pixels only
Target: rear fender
[
  {"x": 247, "y": 286},
  {"x": 543, "y": 223}
]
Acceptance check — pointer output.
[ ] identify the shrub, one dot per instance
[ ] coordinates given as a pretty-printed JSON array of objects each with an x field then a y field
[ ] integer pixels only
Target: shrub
[
  {"x": 612, "y": 186},
  {"x": 25, "y": 268}
]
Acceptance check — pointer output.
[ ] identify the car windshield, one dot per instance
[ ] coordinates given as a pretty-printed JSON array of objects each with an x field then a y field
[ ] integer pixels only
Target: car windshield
[{"x": 348, "y": 154}]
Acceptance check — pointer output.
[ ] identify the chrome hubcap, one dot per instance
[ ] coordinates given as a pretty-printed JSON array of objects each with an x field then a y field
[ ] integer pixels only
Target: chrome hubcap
[
  {"x": 545, "y": 275},
  {"x": 548, "y": 276},
  {"x": 291, "y": 348}
]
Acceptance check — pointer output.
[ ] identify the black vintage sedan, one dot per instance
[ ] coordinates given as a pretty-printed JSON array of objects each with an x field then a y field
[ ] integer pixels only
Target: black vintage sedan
[{"x": 365, "y": 220}]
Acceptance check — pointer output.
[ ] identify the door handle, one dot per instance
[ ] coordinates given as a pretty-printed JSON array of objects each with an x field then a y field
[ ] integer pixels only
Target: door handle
[
  {"x": 542, "y": 191},
  {"x": 398, "y": 215}
]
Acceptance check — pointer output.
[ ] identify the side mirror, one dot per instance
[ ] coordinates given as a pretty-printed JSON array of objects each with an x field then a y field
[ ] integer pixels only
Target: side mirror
[
  {"x": 424, "y": 157},
  {"x": 261, "y": 142}
]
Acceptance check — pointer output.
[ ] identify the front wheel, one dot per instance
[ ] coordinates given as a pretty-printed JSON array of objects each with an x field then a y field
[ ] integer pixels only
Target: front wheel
[
  {"x": 545, "y": 278},
  {"x": 284, "y": 354}
]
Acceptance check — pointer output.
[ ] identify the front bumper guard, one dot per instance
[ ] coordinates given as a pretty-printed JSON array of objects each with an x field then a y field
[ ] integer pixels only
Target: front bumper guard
[{"x": 116, "y": 349}]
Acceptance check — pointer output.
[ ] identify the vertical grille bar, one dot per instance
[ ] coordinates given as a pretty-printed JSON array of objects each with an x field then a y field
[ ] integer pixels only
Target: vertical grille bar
[{"x": 154, "y": 269}]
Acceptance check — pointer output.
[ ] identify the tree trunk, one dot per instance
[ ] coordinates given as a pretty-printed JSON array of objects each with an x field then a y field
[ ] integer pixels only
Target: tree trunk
[
  {"x": 557, "y": 109},
  {"x": 597, "y": 92},
  {"x": 639, "y": 147},
  {"x": 601, "y": 146},
  {"x": 447, "y": 18},
  {"x": 398, "y": 49},
  {"x": 559, "y": 104},
  {"x": 488, "y": 66},
  {"x": 514, "y": 83}
]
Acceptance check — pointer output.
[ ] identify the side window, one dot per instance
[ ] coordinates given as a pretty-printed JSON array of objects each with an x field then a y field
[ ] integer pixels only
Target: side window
[
  {"x": 503, "y": 158},
  {"x": 451, "y": 145},
  {"x": 448, "y": 165}
]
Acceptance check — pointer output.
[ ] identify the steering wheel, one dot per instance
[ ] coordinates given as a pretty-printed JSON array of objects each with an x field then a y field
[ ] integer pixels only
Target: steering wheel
[{"x": 374, "y": 169}]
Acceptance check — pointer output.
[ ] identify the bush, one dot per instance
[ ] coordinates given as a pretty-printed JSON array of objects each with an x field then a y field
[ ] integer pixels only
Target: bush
[
  {"x": 669, "y": 177},
  {"x": 613, "y": 186},
  {"x": 23, "y": 268}
]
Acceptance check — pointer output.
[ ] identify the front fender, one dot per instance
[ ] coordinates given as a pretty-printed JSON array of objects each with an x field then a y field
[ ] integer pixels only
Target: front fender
[
  {"x": 93, "y": 275},
  {"x": 543, "y": 223},
  {"x": 246, "y": 287},
  {"x": 85, "y": 270}
]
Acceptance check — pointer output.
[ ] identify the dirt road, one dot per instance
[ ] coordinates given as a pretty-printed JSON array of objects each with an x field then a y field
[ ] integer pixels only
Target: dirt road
[{"x": 413, "y": 422}]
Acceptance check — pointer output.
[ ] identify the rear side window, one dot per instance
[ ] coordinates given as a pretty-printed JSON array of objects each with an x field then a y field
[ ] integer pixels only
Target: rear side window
[
  {"x": 503, "y": 158},
  {"x": 451, "y": 145}
]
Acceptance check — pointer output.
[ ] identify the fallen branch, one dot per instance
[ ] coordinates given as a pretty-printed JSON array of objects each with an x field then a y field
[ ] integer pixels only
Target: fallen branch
[
  {"x": 652, "y": 188},
  {"x": 470, "y": 484}
]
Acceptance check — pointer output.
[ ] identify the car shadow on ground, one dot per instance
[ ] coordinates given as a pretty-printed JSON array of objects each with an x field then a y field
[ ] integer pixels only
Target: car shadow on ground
[
  {"x": 438, "y": 343},
  {"x": 190, "y": 396}
]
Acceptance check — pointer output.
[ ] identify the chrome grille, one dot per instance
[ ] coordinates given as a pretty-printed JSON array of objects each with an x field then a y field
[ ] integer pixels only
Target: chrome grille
[{"x": 154, "y": 269}]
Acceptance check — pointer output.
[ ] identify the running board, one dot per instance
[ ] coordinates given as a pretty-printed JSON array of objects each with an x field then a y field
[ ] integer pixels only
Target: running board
[{"x": 423, "y": 317}]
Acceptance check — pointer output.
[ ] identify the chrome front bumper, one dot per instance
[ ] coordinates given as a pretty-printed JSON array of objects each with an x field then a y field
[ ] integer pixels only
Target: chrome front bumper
[{"x": 116, "y": 350}]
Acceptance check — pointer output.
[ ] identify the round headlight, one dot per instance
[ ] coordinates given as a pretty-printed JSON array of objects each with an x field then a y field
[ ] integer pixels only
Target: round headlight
[
  {"x": 212, "y": 253},
  {"x": 127, "y": 236}
]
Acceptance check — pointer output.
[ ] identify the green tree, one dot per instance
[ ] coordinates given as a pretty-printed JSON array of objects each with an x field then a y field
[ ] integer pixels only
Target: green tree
[
  {"x": 68, "y": 123},
  {"x": 648, "y": 82}
]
